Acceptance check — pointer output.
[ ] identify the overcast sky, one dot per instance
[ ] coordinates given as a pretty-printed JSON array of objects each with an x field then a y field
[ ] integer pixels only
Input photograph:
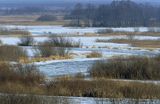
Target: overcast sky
[{"x": 67, "y": 1}]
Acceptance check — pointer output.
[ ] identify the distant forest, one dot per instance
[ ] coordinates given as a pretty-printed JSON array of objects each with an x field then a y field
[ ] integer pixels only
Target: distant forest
[{"x": 122, "y": 13}]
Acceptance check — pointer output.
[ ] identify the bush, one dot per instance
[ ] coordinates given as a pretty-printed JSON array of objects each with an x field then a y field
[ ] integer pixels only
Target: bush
[
  {"x": 12, "y": 53},
  {"x": 94, "y": 54},
  {"x": 62, "y": 42},
  {"x": 26, "y": 74},
  {"x": 1, "y": 42},
  {"x": 105, "y": 31},
  {"x": 26, "y": 41},
  {"x": 140, "y": 68},
  {"x": 46, "y": 18},
  {"x": 151, "y": 29},
  {"x": 47, "y": 50}
]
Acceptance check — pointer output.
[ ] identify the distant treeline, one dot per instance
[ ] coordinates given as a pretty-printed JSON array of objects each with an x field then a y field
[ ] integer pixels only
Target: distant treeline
[
  {"x": 119, "y": 13},
  {"x": 22, "y": 10}
]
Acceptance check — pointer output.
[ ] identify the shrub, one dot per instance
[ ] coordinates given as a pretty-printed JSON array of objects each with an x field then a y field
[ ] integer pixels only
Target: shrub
[
  {"x": 128, "y": 68},
  {"x": 62, "y": 42},
  {"x": 131, "y": 37},
  {"x": 94, "y": 54},
  {"x": 26, "y": 41},
  {"x": 26, "y": 74},
  {"x": 1, "y": 42},
  {"x": 136, "y": 29},
  {"x": 47, "y": 50},
  {"x": 151, "y": 29},
  {"x": 12, "y": 53},
  {"x": 104, "y": 31},
  {"x": 46, "y": 18}
]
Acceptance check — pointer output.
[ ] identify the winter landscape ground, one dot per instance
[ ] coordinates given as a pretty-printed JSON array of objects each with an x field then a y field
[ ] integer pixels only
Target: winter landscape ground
[{"x": 87, "y": 54}]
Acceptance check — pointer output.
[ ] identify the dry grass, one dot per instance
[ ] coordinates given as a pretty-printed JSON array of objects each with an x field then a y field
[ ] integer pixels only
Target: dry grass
[
  {"x": 141, "y": 68},
  {"x": 135, "y": 43},
  {"x": 94, "y": 54},
  {"x": 26, "y": 80},
  {"x": 28, "y": 20},
  {"x": 12, "y": 53},
  {"x": 13, "y": 32},
  {"x": 43, "y": 59},
  {"x": 131, "y": 33},
  {"x": 103, "y": 88}
]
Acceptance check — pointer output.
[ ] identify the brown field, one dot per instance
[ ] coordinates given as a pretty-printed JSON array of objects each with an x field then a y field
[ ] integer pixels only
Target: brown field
[
  {"x": 131, "y": 33},
  {"x": 28, "y": 20}
]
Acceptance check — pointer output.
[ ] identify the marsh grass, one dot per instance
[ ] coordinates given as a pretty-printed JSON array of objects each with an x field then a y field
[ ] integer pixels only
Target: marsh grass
[
  {"x": 13, "y": 32},
  {"x": 134, "y": 43},
  {"x": 28, "y": 80},
  {"x": 26, "y": 41},
  {"x": 141, "y": 68},
  {"x": 62, "y": 42},
  {"x": 103, "y": 89},
  {"x": 94, "y": 54},
  {"x": 12, "y": 53}
]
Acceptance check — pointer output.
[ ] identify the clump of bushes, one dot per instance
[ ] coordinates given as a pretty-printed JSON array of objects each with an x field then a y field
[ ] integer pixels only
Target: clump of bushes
[
  {"x": 46, "y": 18},
  {"x": 26, "y": 41},
  {"x": 12, "y": 53},
  {"x": 94, "y": 54},
  {"x": 18, "y": 73},
  {"x": 105, "y": 31},
  {"x": 47, "y": 50},
  {"x": 62, "y": 42},
  {"x": 57, "y": 46},
  {"x": 141, "y": 68}
]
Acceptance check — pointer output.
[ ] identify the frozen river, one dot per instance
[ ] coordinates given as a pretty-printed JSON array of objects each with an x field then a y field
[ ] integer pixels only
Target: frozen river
[
  {"x": 41, "y": 30},
  {"x": 80, "y": 64}
]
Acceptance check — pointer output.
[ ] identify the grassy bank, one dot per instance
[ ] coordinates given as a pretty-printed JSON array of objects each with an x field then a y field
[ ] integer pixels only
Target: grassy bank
[
  {"x": 19, "y": 79},
  {"x": 141, "y": 68},
  {"x": 134, "y": 43}
]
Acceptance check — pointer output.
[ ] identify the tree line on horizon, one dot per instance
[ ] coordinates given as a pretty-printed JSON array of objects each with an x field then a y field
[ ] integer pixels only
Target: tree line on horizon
[{"x": 120, "y": 13}]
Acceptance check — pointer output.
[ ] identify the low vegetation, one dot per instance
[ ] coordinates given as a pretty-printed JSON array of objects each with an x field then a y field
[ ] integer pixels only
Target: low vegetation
[
  {"x": 26, "y": 79},
  {"x": 46, "y": 18},
  {"x": 105, "y": 31},
  {"x": 137, "y": 68},
  {"x": 48, "y": 51},
  {"x": 13, "y": 32},
  {"x": 62, "y": 42},
  {"x": 26, "y": 41},
  {"x": 1, "y": 42},
  {"x": 134, "y": 43},
  {"x": 103, "y": 89},
  {"x": 57, "y": 46},
  {"x": 94, "y": 54},
  {"x": 18, "y": 73},
  {"x": 12, "y": 53},
  {"x": 32, "y": 99}
]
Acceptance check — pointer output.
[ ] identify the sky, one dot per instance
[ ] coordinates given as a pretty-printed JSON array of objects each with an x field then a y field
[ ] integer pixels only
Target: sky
[{"x": 66, "y": 1}]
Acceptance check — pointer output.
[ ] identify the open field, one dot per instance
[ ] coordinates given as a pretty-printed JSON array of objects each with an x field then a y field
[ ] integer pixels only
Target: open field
[{"x": 28, "y": 20}]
